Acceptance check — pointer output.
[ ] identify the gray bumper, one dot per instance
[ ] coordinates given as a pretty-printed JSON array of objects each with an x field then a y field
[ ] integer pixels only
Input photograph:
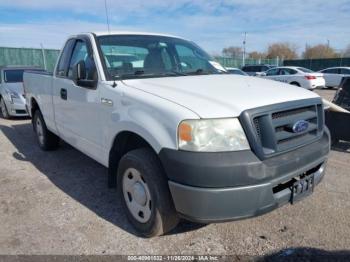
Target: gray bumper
[{"x": 252, "y": 188}]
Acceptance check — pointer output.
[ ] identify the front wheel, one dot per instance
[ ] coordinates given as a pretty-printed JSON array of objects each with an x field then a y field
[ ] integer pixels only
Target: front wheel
[
  {"x": 46, "y": 139},
  {"x": 143, "y": 188},
  {"x": 4, "y": 111}
]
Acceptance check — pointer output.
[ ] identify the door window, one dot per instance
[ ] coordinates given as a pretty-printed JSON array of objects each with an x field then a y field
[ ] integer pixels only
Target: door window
[
  {"x": 272, "y": 72},
  {"x": 287, "y": 71},
  {"x": 80, "y": 52},
  {"x": 345, "y": 71},
  {"x": 331, "y": 71},
  {"x": 64, "y": 59}
]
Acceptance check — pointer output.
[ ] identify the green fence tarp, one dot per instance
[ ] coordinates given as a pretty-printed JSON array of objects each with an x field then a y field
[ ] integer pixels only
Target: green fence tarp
[
  {"x": 28, "y": 57},
  {"x": 318, "y": 64},
  {"x": 238, "y": 62}
]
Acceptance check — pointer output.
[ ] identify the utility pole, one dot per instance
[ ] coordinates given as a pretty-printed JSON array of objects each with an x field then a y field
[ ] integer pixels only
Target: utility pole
[
  {"x": 43, "y": 54},
  {"x": 244, "y": 49},
  {"x": 328, "y": 45}
]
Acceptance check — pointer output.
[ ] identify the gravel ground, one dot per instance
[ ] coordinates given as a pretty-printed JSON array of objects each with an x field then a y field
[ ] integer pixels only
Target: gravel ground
[{"x": 58, "y": 203}]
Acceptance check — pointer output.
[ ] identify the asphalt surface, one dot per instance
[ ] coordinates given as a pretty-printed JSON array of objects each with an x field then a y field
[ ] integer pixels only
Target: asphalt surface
[{"x": 58, "y": 203}]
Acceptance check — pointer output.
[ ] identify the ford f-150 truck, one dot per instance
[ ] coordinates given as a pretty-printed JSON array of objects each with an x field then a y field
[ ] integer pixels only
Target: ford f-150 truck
[{"x": 181, "y": 137}]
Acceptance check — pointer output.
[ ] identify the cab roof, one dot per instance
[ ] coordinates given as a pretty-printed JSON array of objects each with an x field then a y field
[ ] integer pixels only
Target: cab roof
[{"x": 103, "y": 33}]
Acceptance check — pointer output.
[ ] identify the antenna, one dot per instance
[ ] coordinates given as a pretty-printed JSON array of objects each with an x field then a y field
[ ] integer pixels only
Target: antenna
[{"x": 107, "y": 18}]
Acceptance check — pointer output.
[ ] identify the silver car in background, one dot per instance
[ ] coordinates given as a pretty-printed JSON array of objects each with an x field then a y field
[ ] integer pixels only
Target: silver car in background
[{"x": 12, "y": 100}]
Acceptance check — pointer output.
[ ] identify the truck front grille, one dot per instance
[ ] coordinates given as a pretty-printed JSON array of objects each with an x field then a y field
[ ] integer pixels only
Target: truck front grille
[{"x": 270, "y": 129}]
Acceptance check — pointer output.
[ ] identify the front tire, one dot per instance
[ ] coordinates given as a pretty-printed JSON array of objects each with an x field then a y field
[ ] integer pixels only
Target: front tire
[
  {"x": 143, "y": 188},
  {"x": 4, "y": 111},
  {"x": 46, "y": 139}
]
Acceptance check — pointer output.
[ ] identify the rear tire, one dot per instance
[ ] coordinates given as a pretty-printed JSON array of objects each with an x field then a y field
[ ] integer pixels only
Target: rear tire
[
  {"x": 46, "y": 139},
  {"x": 295, "y": 84},
  {"x": 144, "y": 192},
  {"x": 4, "y": 111}
]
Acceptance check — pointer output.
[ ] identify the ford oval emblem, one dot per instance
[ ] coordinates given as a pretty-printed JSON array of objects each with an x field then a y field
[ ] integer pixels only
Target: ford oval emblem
[{"x": 300, "y": 126}]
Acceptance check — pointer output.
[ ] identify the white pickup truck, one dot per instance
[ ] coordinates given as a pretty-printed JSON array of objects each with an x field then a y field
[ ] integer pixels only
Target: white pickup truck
[{"x": 181, "y": 137}]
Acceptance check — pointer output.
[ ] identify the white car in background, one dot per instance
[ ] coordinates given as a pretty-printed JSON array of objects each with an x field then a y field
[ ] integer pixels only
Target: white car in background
[
  {"x": 334, "y": 75},
  {"x": 235, "y": 71},
  {"x": 298, "y": 76},
  {"x": 12, "y": 99}
]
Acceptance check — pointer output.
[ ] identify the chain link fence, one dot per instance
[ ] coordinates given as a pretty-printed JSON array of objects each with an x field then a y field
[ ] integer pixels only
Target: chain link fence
[
  {"x": 318, "y": 64},
  {"x": 238, "y": 62}
]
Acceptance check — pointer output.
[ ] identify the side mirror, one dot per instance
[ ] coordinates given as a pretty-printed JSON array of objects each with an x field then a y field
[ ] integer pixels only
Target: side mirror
[
  {"x": 79, "y": 71},
  {"x": 80, "y": 75},
  {"x": 263, "y": 74}
]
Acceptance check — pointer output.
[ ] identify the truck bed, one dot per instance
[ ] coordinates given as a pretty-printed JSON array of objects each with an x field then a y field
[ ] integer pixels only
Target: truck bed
[{"x": 38, "y": 86}]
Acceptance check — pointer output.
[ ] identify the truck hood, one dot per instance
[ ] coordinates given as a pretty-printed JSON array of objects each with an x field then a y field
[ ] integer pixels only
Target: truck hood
[
  {"x": 14, "y": 87},
  {"x": 216, "y": 96}
]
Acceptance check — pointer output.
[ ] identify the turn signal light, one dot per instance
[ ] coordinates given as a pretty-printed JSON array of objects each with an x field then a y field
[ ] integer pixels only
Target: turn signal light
[{"x": 185, "y": 132}]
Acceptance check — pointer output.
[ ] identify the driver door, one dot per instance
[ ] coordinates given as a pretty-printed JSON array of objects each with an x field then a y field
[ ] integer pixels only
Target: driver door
[{"x": 79, "y": 107}]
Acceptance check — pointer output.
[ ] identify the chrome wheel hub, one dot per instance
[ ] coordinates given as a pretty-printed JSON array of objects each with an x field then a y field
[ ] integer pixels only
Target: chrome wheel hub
[{"x": 137, "y": 195}]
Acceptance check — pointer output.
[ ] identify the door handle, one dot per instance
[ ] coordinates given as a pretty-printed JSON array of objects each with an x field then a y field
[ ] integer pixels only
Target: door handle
[{"x": 63, "y": 93}]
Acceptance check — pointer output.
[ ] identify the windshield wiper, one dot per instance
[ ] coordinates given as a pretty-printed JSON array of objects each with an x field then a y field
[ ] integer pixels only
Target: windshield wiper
[
  {"x": 134, "y": 74},
  {"x": 176, "y": 73},
  {"x": 141, "y": 73},
  {"x": 199, "y": 71}
]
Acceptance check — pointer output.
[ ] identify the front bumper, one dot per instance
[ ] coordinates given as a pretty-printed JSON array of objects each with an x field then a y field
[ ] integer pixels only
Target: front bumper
[
  {"x": 214, "y": 187},
  {"x": 17, "y": 108}
]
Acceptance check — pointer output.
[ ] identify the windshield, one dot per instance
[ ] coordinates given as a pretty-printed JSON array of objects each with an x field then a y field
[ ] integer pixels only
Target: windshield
[
  {"x": 13, "y": 76},
  {"x": 133, "y": 56},
  {"x": 305, "y": 70}
]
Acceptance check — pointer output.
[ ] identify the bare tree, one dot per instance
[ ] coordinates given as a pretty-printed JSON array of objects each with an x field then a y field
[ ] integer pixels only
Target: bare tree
[
  {"x": 319, "y": 51},
  {"x": 256, "y": 55},
  {"x": 282, "y": 50},
  {"x": 346, "y": 52},
  {"x": 233, "y": 51}
]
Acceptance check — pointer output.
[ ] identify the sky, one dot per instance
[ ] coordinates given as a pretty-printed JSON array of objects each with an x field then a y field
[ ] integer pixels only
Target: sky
[{"x": 213, "y": 24}]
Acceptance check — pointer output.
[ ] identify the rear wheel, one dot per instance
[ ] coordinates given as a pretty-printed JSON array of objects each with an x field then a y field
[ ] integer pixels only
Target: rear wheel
[
  {"x": 4, "y": 111},
  {"x": 295, "y": 84},
  {"x": 143, "y": 188},
  {"x": 46, "y": 139}
]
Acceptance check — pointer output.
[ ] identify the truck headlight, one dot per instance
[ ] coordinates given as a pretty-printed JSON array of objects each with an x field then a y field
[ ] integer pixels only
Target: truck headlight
[{"x": 212, "y": 135}]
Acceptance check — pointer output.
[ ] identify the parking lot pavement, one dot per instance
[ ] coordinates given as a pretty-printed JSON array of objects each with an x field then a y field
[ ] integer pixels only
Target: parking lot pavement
[
  {"x": 58, "y": 203},
  {"x": 326, "y": 93}
]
